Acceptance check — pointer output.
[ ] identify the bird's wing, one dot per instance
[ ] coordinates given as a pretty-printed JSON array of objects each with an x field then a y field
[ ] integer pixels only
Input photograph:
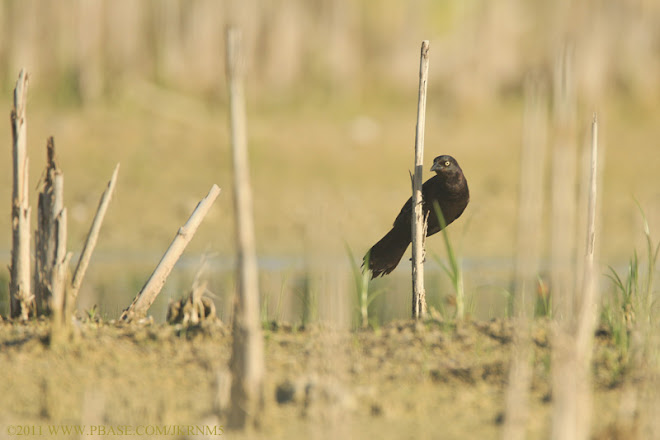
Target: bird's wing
[{"x": 429, "y": 188}]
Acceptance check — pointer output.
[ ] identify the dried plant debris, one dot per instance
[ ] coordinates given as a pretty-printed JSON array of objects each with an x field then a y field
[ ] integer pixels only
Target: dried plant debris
[{"x": 194, "y": 309}]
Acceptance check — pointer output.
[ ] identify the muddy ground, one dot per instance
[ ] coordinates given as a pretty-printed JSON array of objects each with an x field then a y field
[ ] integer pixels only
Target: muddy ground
[{"x": 404, "y": 380}]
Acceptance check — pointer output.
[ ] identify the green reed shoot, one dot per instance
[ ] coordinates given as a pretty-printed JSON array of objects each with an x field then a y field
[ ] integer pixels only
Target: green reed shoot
[
  {"x": 453, "y": 267},
  {"x": 361, "y": 279}
]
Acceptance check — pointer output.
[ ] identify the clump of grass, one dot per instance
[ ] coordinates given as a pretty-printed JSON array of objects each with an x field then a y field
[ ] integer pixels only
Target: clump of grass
[
  {"x": 364, "y": 298},
  {"x": 453, "y": 267},
  {"x": 265, "y": 303},
  {"x": 618, "y": 313},
  {"x": 633, "y": 300}
]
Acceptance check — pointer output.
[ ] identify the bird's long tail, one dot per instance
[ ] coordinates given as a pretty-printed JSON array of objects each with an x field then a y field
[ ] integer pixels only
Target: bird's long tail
[{"x": 385, "y": 255}]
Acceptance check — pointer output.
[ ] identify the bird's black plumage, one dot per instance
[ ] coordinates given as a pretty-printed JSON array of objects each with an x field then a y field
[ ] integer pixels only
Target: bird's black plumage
[{"x": 448, "y": 188}]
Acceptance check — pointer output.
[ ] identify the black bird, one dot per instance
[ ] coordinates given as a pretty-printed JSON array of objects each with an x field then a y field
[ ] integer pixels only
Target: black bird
[{"x": 448, "y": 188}]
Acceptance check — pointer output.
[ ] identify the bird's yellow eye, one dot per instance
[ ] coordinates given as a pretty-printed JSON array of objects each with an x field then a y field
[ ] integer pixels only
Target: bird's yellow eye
[{"x": 447, "y": 163}]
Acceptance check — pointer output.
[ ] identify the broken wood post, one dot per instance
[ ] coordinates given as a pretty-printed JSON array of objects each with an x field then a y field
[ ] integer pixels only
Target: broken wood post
[
  {"x": 92, "y": 237},
  {"x": 50, "y": 238},
  {"x": 22, "y": 303},
  {"x": 418, "y": 221},
  {"x": 146, "y": 296},
  {"x": 247, "y": 359}
]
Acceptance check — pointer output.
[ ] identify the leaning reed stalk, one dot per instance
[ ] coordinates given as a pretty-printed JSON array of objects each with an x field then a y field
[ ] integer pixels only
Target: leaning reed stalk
[
  {"x": 92, "y": 236},
  {"x": 147, "y": 295}
]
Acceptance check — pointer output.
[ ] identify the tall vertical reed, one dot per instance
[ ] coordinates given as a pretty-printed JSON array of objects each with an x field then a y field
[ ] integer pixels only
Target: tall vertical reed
[
  {"x": 247, "y": 359},
  {"x": 418, "y": 220},
  {"x": 530, "y": 235}
]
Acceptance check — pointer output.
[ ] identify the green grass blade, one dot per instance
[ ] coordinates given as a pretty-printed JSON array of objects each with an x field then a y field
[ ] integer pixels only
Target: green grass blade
[
  {"x": 614, "y": 276},
  {"x": 453, "y": 270}
]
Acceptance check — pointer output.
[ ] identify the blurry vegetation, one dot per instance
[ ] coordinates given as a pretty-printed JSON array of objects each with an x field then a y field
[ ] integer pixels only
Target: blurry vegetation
[
  {"x": 331, "y": 113},
  {"x": 87, "y": 50},
  {"x": 453, "y": 268},
  {"x": 331, "y": 86},
  {"x": 364, "y": 298},
  {"x": 633, "y": 306}
]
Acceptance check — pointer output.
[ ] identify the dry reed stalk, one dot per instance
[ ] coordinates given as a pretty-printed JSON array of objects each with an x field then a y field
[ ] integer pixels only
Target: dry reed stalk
[
  {"x": 92, "y": 237},
  {"x": 530, "y": 212},
  {"x": 418, "y": 220},
  {"x": 60, "y": 262},
  {"x": 564, "y": 361},
  {"x": 247, "y": 360},
  {"x": 587, "y": 310},
  {"x": 532, "y": 167},
  {"x": 564, "y": 201},
  {"x": 22, "y": 304},
  {"x": 588, "y": 306},
  {"x": 573, "y": 339},
  {"x": 138, "y": 309}
]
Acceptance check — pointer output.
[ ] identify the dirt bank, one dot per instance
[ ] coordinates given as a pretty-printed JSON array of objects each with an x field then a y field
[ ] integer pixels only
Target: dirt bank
[{"x": 403, "y": 380}]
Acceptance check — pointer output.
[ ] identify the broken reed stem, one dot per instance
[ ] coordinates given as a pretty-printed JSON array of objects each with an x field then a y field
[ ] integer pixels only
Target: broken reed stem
[
  {"x": 50, "y": 239},
  {"x": 247, "y": 358},
  {"x": 146, "y": 297},
  {"x": 418, "y": 223},
  {"x": 60, "y": 304},
  {"x": 92, "y": 236},
  {"x": 56, "y": 269},
  {"x": 22, "y": 304}
]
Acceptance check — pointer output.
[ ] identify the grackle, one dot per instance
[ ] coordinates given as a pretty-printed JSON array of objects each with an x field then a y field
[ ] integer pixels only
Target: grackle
[{"x": 448, "y": 188}]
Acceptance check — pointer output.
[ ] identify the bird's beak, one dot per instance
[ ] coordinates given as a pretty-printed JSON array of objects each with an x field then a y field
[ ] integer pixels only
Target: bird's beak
[{"x": 435, "y": 167}]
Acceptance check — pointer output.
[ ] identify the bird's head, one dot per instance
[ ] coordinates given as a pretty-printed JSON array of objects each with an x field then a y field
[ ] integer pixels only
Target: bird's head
[
  {"x": 445, "y": 164},
  {"x": 449, "y": 172}
]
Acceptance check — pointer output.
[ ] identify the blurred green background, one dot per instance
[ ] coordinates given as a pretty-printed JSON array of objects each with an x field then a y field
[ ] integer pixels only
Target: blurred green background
[{"x": 332, "y": 96}]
